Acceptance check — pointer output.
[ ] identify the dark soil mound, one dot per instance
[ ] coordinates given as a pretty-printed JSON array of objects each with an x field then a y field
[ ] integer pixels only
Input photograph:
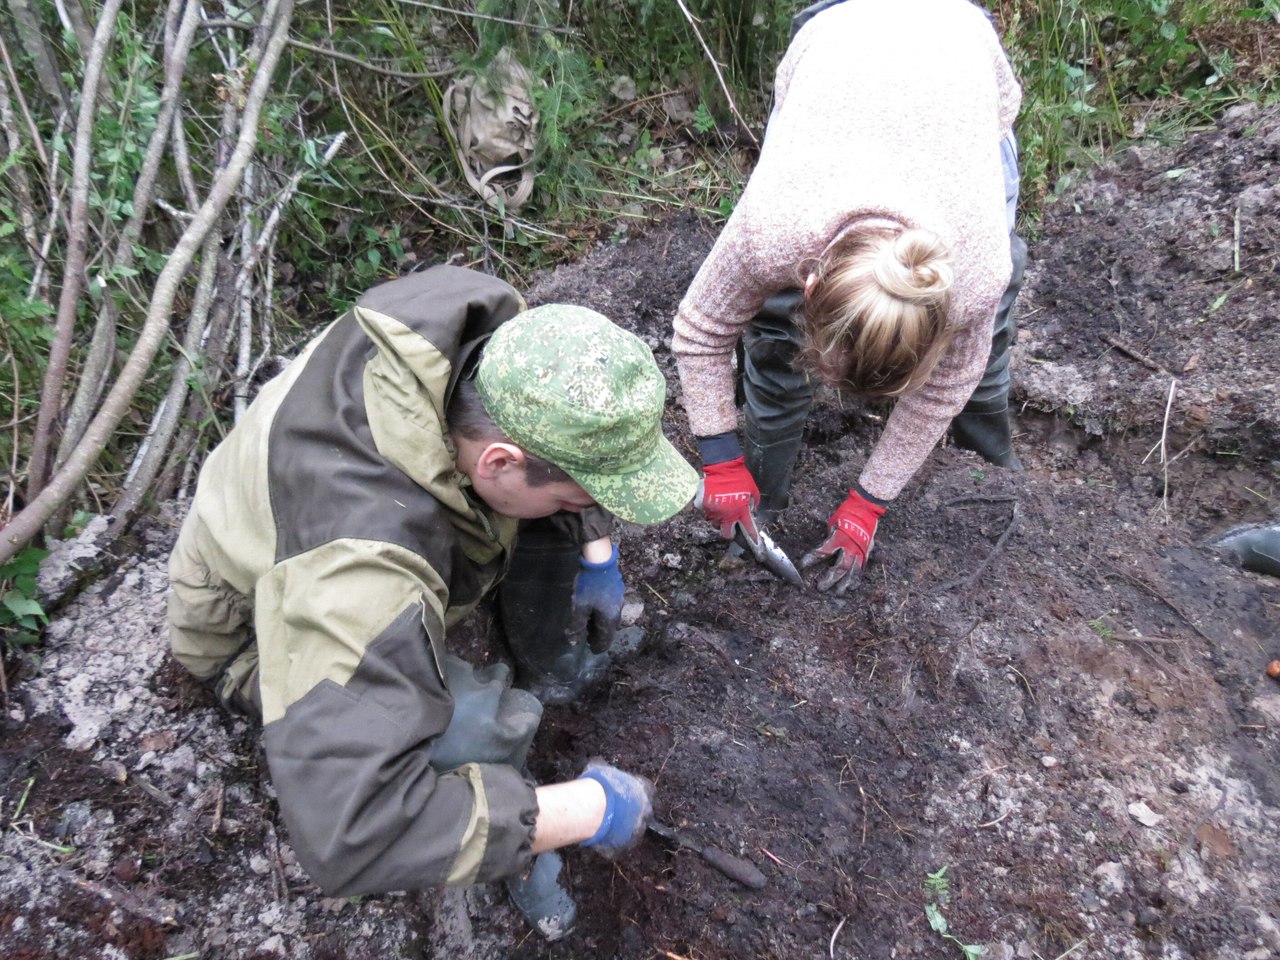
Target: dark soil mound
[{"x": 1045, "y": 685}]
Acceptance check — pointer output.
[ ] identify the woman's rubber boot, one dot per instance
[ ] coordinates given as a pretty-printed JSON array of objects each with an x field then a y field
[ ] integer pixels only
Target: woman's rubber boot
[
  {"x": 542, "y": 900},
  {"x": 984, "y": 428},
  {"x": 771, "y": 465}
]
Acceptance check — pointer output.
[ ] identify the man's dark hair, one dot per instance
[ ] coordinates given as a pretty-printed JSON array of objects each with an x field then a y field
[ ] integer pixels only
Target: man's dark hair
[{"x": 467, "y": 417}]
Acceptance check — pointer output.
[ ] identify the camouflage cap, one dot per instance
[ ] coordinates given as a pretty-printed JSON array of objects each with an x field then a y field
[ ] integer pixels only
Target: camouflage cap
[{"x": 572, "y": 387}]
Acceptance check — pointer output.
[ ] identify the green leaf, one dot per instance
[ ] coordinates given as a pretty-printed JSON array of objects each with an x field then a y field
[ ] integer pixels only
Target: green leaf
[
  {"x": 21, "y": 606},
  {"x": 28, "y": 561},
  {"x": 1169, "y": 30},
  {"x": 937, "y": 922}
]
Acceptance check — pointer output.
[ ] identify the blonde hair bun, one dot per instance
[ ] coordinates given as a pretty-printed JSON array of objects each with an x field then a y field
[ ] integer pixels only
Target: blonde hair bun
[
  {"x": 875, "y": 314},
  {"x": 914, "y": 266}
]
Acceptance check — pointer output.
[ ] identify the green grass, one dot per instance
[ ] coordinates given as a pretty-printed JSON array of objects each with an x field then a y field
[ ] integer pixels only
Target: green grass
[{"x": 1100, "y": 74}]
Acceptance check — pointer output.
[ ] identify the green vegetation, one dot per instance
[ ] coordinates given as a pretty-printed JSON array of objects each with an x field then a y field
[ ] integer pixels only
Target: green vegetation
[
  {"x": 1099, "y": 73},
  {"x": 21, "y": 615},
  {"x": 937, "y": 894}
]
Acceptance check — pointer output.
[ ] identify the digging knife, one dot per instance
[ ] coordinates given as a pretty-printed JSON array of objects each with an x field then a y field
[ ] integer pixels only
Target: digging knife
[{"x": 735, "y": 868}]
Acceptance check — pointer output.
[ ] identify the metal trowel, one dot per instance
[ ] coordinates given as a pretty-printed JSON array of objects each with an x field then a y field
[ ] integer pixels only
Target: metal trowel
[{"x": 760, "y": 546}]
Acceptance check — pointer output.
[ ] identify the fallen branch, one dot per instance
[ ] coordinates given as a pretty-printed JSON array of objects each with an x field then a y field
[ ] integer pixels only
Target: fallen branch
[
  {"x": 972, "y": 578},
  {"x": 981, "y": 498},
  {"x": 127, "y": 901},
  {"x": 1152, "y": 591},
  {"x": 1134, "y": 354}
]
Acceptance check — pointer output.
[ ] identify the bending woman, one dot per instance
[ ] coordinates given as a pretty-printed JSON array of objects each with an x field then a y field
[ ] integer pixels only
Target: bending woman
[{"x": 873, "y": 250}]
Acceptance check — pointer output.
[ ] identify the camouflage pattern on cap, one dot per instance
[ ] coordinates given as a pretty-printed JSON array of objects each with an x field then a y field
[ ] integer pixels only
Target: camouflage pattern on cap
[{"x": 572, "y": 387}]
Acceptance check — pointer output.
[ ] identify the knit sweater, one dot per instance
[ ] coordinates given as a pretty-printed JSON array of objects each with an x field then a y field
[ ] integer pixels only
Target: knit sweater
[{"x": 887, "y": 111}]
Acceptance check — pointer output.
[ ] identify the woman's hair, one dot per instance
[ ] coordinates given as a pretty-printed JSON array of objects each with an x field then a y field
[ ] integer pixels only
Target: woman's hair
[
  {"x": 875, "y": 317},
  {"x": 468, "y": 418}
]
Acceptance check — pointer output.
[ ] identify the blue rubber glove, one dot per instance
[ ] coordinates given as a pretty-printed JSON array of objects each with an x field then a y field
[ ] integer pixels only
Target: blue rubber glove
[
  {"x": 597, "y": 602},
  {"x": 628, "y": 807}
]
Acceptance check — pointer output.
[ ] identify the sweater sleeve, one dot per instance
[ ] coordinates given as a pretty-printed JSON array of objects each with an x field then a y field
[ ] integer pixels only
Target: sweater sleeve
[
  {"x": 353, "y": 698},
  {"x": 751, "y": 261}
]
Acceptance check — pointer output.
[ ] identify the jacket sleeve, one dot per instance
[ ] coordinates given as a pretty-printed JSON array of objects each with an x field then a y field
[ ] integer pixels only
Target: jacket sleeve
[
  {"x": 590, "y": 524},
  {"x": 353, "y": 696}
]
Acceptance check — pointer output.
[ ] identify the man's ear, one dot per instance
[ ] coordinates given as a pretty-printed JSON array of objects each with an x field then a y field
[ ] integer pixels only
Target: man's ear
[{"x": 499, "y": 457}]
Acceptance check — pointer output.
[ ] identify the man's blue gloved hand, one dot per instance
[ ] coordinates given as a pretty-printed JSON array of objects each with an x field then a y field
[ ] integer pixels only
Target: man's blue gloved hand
[
  {"x": 597, "y": 602},
  {"x": 628, "y": 809}
]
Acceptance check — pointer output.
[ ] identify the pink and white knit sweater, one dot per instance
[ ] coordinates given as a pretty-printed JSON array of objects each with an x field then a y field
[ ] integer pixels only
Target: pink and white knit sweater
[{"x": 883, "y": 110}]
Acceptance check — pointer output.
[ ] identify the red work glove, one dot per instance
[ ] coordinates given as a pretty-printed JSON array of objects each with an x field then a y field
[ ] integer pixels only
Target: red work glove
[
  {"x": 728, "y": 495},
  {"x": 851, "y": 534}
]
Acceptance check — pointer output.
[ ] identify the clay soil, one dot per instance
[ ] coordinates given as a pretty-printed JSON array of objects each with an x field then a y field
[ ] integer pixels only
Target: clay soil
[{"x": 1048, "y": 684}]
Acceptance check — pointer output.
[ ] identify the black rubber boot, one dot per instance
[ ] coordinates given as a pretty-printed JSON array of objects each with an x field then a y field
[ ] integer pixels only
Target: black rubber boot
[
  {"x": 1256, "y": 546},
  {"x": 984, "y": 428},
  {"x": 536, "y": 603},
  {"x": 542, "y": 900},
  {"x": 771, "y": 465}
]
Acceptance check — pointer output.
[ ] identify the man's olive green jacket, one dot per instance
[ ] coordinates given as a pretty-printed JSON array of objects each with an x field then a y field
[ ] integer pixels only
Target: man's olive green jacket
[{"x": 335, "y": 506}]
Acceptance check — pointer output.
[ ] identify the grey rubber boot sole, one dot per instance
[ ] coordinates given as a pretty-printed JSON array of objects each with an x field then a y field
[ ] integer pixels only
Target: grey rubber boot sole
[{"x": 542, "y": 900}]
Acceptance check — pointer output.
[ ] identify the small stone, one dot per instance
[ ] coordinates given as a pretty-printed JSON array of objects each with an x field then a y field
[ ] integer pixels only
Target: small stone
[
  {"x": 631, "y": 613},
  {"x": 1111, "y": 878},
  {"x": 1049, "y": 762},
  {"x": 259, "y": 864},
  {"x": 1144, "y": 814},
  {"x": 627, "y": 642}
]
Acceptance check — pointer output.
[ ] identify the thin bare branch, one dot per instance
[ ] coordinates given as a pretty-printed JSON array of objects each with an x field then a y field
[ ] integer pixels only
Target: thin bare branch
[
  {"x": 340, "y": 55},
  {"x": 151, "y": 454},
  {"x": 715, "y": 65},
  {"x": 97, "y": 364},
  {"x": 39, "y": 285},
  {"x": 266, "y": 236},
  {"x": 244, "y": 293},
  {"x": 17, "y": 171},
  {"x": 22, "y": 103},
  {"x": 568, "y": 31},
  {"x": 77, "y": 240},
  {"x": 182, "y": 161},
  {"x": 28, "y": 522}
]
